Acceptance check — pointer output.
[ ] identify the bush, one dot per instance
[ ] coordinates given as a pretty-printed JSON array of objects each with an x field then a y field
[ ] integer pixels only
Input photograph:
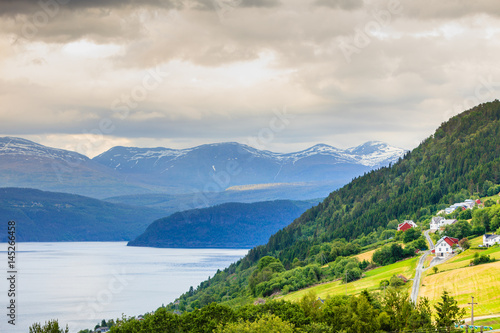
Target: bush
[
  {"x": 481, "y": 259},
  {"x": 464, "y": 243},
  {"x": 489, "y": 203},
  {"x": 396, "y": 281},
  {"x": 389, "y": 254},
  {"x": 266, "y": 323},
  {"x": 493, "y": 190},
  {"x": 384, "y": 284}
]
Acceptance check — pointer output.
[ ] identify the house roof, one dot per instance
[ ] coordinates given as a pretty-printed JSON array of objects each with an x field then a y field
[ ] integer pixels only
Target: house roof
[
  {"x": 406, "y": 225},
  {"x": 449, "y": 240},
  {"x": 487, "y": 236}
]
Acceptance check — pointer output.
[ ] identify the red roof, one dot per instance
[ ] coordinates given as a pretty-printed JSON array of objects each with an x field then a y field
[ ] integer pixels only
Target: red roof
[
  {"x": 451, "y": 240},
  {"x": 478, "y": 201},
  {"x": 404, "y": 226}
]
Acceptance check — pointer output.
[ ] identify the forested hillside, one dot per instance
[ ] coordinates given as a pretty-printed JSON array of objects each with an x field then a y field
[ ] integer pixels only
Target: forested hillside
[
  {"x": 43, "y": 216},
  {"x": 447, "y": 167},
  {"x": 229, "y": 225},
  {"x": 460, "y": 160}
]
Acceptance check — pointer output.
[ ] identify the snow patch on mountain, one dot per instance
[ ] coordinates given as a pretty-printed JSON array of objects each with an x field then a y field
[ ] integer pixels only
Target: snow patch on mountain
[{"x": 10, "y": 146}]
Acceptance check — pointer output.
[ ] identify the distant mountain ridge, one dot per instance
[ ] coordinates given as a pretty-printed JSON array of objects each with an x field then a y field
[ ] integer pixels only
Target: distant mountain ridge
[
  {"x": 371, "y": 153},
  {"x": 206, "y": 168},
  {"x": 210, "y": 162}
]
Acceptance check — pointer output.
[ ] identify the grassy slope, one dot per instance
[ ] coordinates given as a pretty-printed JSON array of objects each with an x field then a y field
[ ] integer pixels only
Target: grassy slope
[
  {"x": 366, "y": 255},
  {"x": 371, "y": 281}
]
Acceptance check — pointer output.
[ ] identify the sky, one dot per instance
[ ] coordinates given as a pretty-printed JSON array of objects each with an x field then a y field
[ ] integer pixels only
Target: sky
[{"x": 87, "y": 75}]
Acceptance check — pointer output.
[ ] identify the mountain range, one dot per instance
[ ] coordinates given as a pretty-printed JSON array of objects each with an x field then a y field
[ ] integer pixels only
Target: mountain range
[{"x": 206, "y": 168}]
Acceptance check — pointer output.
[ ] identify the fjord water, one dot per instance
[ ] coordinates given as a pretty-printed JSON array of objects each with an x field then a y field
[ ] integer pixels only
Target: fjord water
[{"x": 81, "y": 283}]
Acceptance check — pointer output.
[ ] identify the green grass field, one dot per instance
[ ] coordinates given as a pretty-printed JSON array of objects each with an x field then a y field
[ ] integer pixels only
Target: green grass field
[
  {"x": 463, "y": 259},
  {"x": 371, "y": 281}
]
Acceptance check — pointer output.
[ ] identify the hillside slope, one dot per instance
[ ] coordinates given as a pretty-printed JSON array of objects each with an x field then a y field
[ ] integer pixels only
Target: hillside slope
[
  {"x": 230, "y": 225},
  {"x": 447, "y": 167},
  {"x": 461, "y": 159}
]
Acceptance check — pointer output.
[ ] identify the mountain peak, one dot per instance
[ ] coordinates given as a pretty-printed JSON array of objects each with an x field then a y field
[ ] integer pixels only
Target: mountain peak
[{"x": 13, "y": 146}]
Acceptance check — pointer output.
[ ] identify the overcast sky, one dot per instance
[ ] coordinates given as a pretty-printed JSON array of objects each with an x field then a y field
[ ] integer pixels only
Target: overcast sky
[{"x": 279, "y": 75}]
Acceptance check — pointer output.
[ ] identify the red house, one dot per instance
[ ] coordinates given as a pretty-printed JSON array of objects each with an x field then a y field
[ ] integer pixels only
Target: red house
[{"x": 406, "y": 225}]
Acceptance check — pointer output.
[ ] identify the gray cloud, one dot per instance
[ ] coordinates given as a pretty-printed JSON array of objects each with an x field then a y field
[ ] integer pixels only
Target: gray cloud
[
  {"x": 228, "y": 71},
  {"x": 450, "y": 9},
  {"x": 343, "y": 4},
  {"x": 30, "y": 7}
]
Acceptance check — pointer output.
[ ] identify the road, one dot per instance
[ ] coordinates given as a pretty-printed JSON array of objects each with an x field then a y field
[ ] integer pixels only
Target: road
[{"x": 418, "y": 272}]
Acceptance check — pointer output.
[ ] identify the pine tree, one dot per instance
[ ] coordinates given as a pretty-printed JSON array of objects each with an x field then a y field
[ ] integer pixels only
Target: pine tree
[{"x": 448, "y": 314}]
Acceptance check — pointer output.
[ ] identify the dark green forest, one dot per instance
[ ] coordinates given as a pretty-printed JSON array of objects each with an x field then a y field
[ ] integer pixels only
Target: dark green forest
[
  {"x": 54, "y": 217},
  {"x": 229, "y": 225},
  {"x": 460, "y": 160},
  {"x": 367, "y": 312}
]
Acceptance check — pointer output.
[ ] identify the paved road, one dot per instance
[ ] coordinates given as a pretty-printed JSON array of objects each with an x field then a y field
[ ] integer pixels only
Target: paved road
[
  {"x": 418, "y": 272},
  {"x": 429, "y": 240}
]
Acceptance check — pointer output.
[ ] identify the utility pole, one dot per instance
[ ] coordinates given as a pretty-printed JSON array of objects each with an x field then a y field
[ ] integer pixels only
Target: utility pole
[{"x": 472, "y": 312}]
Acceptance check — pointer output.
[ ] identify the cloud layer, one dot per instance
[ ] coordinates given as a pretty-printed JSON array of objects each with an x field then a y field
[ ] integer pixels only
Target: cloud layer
[{"x": 180, "y": 73}]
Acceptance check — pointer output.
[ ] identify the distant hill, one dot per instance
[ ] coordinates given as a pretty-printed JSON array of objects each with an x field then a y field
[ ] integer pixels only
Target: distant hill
[
  {"x": 230, "y": 225},
  {"x": 48, "y": 217},
  {"x": 215, "y": 167}
]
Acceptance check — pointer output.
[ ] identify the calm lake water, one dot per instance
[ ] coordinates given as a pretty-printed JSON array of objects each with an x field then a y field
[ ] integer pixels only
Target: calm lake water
[{"x": 82, "y": 283}]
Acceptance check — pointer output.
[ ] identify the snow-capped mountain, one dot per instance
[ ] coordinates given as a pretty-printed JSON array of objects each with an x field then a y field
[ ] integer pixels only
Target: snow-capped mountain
[
  {"x": 11, "y": 146},
  {"x": 27, "y": 164},
  {"x": 207, "y": 168},
  {"x": 209, "y": 163}
]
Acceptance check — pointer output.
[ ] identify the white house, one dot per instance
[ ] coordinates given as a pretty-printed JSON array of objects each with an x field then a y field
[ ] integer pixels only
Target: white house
[
  {"x": 467, "y": 204},
  {"x": 489, "y": 240},
  {"x": 102, "y": 329},
  {"x": 445, "y": 246},
  {"x": 438, "y": 222}
]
